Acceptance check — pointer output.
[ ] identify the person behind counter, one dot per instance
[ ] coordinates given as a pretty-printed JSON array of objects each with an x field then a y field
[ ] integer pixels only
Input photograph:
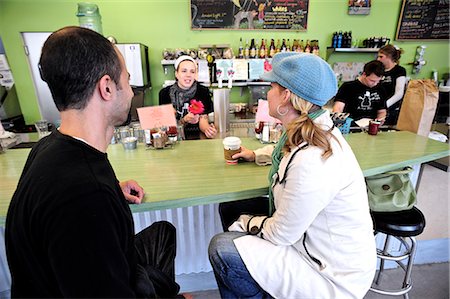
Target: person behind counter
[
  {"x": 319, "y": 239},
  {"x": 393, "y": 81},
  {"x": 180, "y": 95},
  {"x": 69, "y": 229},
  {"x": 363, "y": 97}
]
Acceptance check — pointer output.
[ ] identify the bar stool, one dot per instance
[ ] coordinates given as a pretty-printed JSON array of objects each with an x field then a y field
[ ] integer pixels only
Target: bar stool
[{"x": 403, "y": 226}]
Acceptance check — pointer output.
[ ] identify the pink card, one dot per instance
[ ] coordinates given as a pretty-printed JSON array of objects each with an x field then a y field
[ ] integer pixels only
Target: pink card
[
  {"x": 156, "y": 116},
  {"x": 262, "y": 114}
]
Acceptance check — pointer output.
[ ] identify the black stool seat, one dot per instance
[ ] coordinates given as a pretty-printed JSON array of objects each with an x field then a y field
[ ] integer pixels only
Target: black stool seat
[{"x": 403, "y": 223}]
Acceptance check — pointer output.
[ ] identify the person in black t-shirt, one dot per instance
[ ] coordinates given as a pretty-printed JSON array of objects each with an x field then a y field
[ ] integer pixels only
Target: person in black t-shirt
[
  {"x": 182, "y": 93},
  {"x": 393, "y": 82},
  {"x": 69, "y": 229},
  {"x": 364, "y": 97}
]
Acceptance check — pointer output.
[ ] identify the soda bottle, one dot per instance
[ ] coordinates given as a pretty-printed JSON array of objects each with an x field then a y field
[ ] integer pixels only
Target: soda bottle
[
  {"x": 262, "y": 49},
  {"x": 308, "y": 47},
  {"x": 272, "y": 49},
  {"x": 278, "y": 47},
  {"x": 241, "y": 49},
  {"x": 246, "y": 50},
  {"x": 253, "y": 50}
]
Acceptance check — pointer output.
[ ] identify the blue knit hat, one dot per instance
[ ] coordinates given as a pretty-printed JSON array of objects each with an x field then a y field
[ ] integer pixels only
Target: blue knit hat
[{"x": 306, "y": 75}]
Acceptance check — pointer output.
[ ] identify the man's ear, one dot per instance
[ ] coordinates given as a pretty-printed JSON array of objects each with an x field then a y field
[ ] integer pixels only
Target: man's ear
[{"x": 106, "y": 86}]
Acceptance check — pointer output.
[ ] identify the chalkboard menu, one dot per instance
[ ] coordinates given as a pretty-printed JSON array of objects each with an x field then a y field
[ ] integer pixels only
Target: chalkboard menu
[
  {"x": 249, "y": 14},
  {"x": 423, "y": 19}
]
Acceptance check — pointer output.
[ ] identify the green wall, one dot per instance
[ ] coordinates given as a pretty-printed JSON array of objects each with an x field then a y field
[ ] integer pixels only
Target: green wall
[{"x": 166, "y": 24}]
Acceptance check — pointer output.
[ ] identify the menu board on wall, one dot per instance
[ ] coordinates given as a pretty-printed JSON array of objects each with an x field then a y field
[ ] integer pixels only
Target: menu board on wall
[
  {"x": 423, "y": 19},
  {"x": 249, "y": 14}
]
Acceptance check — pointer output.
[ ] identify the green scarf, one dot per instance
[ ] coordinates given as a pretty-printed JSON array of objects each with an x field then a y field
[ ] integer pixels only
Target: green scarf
[{"x": 277, "y": 155}]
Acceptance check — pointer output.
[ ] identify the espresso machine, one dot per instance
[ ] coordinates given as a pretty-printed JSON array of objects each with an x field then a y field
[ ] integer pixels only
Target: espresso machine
[{"x": 10, "y": 112}]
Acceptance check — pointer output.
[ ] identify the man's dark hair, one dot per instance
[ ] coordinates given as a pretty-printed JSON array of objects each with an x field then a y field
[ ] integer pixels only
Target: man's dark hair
[
  {"x": 72, "y": 62},
  {"x": 374, "y": 67}
]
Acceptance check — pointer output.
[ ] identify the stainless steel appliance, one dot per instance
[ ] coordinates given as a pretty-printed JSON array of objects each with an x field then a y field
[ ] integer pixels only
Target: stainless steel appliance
[{"x": 136, "y": 60}]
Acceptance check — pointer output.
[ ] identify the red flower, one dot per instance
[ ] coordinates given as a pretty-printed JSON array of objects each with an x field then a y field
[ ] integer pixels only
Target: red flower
[{"x": 196, "y": 107}]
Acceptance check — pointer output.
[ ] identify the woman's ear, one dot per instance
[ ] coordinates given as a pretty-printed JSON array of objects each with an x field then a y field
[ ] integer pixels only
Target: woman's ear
[
  {"x": 106, "y": 86},
  {"x": 286, "y": 96}
]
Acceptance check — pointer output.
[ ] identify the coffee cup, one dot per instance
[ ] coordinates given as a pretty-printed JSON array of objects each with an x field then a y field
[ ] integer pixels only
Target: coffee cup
[
  {"x": 231, "y": 146},
  {"x": 373, "y": 127}
]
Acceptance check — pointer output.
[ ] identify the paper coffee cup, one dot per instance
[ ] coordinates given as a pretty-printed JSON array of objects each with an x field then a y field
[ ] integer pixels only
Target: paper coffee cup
[{"x": 231, "y": 146}]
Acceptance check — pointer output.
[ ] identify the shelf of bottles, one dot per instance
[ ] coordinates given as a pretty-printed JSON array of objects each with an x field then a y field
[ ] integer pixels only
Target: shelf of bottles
[{"x": 268, "y": 50}]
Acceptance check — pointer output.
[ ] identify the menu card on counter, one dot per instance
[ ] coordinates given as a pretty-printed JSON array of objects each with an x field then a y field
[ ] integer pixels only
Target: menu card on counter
[{"x": 156, "y": 116}]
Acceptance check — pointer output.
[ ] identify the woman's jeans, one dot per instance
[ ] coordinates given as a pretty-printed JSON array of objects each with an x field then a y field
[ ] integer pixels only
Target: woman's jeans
[{"x": 232, "y": 276}]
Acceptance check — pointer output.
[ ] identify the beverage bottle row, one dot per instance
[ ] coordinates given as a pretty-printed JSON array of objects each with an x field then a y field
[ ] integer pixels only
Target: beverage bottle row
[
  {"x": 341, "y": 39},
  {"x": 266, "y": 50}
]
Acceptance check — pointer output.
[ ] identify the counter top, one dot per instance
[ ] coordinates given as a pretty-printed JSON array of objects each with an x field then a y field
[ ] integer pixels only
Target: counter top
[{"x": 194, "y": 172}]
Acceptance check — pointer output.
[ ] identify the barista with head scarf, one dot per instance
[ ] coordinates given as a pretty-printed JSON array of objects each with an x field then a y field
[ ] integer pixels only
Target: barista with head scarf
[
  {"x": 318, "y": 242},
  {"x": 393, "y": 81},
  {"x": 191, "y": 100}
]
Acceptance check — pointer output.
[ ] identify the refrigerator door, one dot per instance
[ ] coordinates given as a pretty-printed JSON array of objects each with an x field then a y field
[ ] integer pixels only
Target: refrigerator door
[
  {"x": 136, "y": 60},
  {"x": 32, "y": 43}
]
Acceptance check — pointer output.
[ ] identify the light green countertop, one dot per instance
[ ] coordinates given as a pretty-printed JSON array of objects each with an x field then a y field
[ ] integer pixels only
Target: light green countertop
[{"x": 195, "y": 173}]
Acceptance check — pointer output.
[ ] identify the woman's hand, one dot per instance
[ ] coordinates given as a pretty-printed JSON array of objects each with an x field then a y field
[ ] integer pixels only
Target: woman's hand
[
  {"x": 208, "y": 129},
  {"x": 191, "y": 118},
  {"x": 132, "y": 191},
  {"x": 246, "y": 154}
]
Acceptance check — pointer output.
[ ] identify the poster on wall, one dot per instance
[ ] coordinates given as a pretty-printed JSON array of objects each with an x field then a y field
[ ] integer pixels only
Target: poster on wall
[
  {"x": 359, "y": 7},
  {"x": 249, "y": 14}
]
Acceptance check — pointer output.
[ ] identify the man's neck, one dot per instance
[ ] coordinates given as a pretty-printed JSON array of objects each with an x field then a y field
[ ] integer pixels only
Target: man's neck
[{"x": 93, "y": 131}]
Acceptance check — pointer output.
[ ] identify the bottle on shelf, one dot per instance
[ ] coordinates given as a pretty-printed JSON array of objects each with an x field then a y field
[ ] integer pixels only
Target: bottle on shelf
[
  {"x": 272, "y": 49},
  {"x": 349, "y": 43},
  {"x": 252, "y": 49},
  {"x": 315, "y": 47},
  {"x": 300, "y": 47},
  {"x": 344, "y": 40},
  {"x": 334, "y": 40},
  {"x": 308, "y": 47},
  {"x": 288, "y": 45},
  {"x": 294, "y": 45},
  {"x": 278, "y": 46},
  {"x": 283, "y": 46},
  {"x": 241, "y": 50},
  {"x": 267, "y": 48},
  {"x": 246, "y": 50},
  {"x": 339, "y": 40},
  {"x": 262, "y": 49}
]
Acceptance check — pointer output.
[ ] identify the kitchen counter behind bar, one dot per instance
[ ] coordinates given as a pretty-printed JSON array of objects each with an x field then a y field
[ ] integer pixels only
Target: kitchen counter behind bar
[{"x": 194, "y": 172}]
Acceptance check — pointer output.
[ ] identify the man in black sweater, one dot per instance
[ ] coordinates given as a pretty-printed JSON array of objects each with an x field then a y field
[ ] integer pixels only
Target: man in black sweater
[{"x": 69, "y": 229}]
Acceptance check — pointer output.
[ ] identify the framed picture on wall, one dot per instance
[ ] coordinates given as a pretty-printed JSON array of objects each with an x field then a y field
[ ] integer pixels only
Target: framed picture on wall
[
  {"x": 359, "y": 7},
  {"x": 249, "y": 14}
]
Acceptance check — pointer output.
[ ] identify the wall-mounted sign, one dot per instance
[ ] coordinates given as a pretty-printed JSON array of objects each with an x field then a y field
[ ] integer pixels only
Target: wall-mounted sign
[
  {"x": 421, "y": 19},
  {"x": 249, "y": 14}
]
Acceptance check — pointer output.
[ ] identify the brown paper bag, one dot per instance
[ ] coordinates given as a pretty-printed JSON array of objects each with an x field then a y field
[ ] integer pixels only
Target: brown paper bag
[{"x": 418, "y": 107}]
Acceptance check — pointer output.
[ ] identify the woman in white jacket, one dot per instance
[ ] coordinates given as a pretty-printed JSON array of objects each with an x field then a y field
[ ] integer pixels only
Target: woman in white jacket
[{"x": 318, "y": 240}]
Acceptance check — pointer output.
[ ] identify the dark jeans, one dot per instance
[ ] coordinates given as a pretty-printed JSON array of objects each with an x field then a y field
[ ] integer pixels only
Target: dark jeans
[
  {"x": 230, "y": 211},
  {"x": 155, "y": 248},
  {"x": 232, "y": 276}
]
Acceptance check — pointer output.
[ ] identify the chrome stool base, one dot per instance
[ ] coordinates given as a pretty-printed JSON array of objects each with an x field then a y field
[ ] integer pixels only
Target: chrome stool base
[
  {"x": 409, "y": 252},
  {"x": 403, "y": 226}
]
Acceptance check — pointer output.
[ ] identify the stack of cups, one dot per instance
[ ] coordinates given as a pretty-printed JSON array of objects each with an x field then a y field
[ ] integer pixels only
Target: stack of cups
[{"x": 231, "y": 146}]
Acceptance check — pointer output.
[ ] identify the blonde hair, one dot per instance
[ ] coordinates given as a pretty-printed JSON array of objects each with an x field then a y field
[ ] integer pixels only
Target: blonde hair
[{"x": 303, "y": 129}]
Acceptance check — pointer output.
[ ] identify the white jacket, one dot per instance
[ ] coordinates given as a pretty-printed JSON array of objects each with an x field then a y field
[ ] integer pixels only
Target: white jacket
[{"x": 327, "y": 200}]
